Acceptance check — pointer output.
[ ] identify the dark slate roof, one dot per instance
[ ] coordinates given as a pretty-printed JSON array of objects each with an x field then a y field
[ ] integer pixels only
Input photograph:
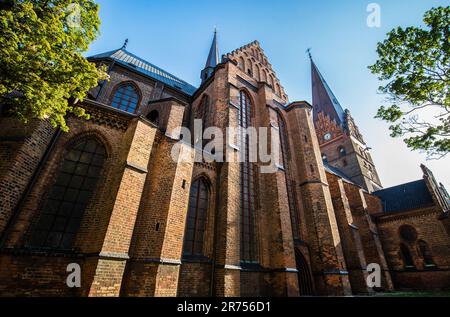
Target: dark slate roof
[
  {"x": 336, "y": 172},
  {"x": 126, "y": 59},
  {"x": 405, "y": 197},
  {"x": 323, "y": 97}
]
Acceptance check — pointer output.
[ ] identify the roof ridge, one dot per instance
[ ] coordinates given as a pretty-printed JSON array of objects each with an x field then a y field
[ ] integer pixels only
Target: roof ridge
[
  {"x": 401, "y": 185},
  {"x": 153, "y": 65},
  {"x": 128, "y": 59}
]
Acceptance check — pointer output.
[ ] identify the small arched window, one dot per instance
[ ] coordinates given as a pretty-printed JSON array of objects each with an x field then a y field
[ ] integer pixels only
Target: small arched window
[
  {"x": 196, "y": 219},
  {"x": 341, "y": 151},
  {"x": 69, "y": 196},
  {"x": 425, "y": 252},
  {"x": 324, "y": 158},
  {"x": 272, "y": 82},
  {"x": 153, "y": 116},
  {"x": 406, "y": 256},
  {"x": 242, "y": 64},
  {"x": 250, "y": 68},
  {"x": 126, "y": 98},
  {"x": 408, "y": 233},
  {"x": 278, "y": 92},
  {"x": 264, "y": 76},
  {"x": 258, "y": 72}
]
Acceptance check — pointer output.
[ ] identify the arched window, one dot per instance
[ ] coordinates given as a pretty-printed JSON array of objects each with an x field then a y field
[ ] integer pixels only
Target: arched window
[
  {"x": 250, "y": 68},
  {"x": 342, "y": 152},
  {"x": 196, "y": 219},
  {"x": 272, "y": 82},
  {"x": 126, "y": 98},
  {"x": 69, "y": 196},
  {"x": 248, "y": 226},
  {"x": 408, "y": 233},
  {"x": 264, "y": 76},
  {"x": 258, "y": 73},
  {"x": 406, "y": 256},
  {"x": 242, "y": 64},
  {"x": 324, "y": 158},
  {"x": 153, "y": 116},
  {"x": 425, "y": 252}
]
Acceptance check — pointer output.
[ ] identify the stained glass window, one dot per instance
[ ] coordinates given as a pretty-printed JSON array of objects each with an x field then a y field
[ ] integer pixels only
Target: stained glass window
[
  {"x": 126, "y": 98},
  {"x": 69, "y": 196},
  {"x": 426, "y": 253},
  {"x": 247, "y": 174},
  {"x": 406, "y": 256},
  {"x": 196, "y": 220}
]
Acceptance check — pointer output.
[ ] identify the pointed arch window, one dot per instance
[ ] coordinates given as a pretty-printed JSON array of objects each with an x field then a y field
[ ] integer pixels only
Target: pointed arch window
[
  {"x": 278, "y": 92},
  {"x": 242, "y": 64},
  {"x": 126, "y": 98},
  {"x": 69, "y": 196},
  {"x": 425, "y": 252},
  {"x": 196, "y": 219},
  {"x": 272, "y": 82},
  {"x": 250, "y": 68},
  {"x": 247, "y": 185},
  {"x": 406, "y": 256},
  {"x": 258, "y": 72},
  {"x": 264, "y": 76}
]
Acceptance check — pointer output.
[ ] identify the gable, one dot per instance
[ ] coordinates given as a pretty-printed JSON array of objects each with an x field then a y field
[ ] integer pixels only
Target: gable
[{"x": 252, "y": 60}]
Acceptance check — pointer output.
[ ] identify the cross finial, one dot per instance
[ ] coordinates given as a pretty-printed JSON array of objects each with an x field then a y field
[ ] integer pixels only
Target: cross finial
[
  {"x": 308, "y": 51},
  {"x": 125, "y": 44}
]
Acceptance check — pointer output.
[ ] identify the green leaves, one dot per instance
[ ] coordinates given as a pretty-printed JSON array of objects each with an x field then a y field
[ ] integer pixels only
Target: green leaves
[
  {"x": 414, "y": 64},
  {"x": 41, "y": 62}
]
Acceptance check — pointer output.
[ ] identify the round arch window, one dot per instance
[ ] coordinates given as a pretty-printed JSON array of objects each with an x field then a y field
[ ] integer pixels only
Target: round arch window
[
  {"x": 408, "y": 233},
  {"x": 153, "y": 116}
]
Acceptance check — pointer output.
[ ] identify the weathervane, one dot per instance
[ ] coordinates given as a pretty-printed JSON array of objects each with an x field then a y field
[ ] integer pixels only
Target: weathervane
[
  {"x": 125, "y": 44},
  {"x": 308, "y": 51}
]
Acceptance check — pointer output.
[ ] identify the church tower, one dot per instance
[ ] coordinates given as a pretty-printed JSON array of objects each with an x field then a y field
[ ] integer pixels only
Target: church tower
[
  {"x": 212, "y": 61},
  {"x": 341, "y": 143}
]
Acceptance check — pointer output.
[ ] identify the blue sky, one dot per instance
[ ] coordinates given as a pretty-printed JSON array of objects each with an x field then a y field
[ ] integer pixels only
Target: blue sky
[{"x": 176, "y": 35}]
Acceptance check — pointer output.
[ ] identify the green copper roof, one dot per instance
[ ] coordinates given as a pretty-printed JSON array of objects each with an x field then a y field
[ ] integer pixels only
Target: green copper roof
[{"x": 126, "y": 59}]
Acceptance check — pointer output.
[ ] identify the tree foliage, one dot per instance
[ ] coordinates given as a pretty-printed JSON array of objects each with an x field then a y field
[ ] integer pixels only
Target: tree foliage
[
  {"x": 41, "y": 63},
  {"x": 414, "y": 63}
]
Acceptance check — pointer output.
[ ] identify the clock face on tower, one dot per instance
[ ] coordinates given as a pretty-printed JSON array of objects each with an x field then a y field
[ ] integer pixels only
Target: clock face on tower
[{"x": 327, "y": 137}]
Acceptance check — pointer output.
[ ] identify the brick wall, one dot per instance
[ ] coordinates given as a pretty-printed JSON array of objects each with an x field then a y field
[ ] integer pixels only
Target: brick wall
[{"x": 429, "y": 229}]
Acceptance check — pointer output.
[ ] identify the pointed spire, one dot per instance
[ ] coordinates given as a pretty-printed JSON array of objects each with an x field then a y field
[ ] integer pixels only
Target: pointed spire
[
  {"x": 213, "y": 58},
  {"x": 323, "y": 98}
]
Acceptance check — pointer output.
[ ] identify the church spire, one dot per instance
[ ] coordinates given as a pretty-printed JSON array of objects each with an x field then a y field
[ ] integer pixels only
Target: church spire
[
  {"x": 341, "y": 143},
  {"x": 323, "y": 98},
  {"x": 213, "y": 59}
]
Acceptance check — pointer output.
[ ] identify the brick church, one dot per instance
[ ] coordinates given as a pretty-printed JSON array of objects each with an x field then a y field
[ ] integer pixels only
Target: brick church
[{"x": 108, "y": 196}]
